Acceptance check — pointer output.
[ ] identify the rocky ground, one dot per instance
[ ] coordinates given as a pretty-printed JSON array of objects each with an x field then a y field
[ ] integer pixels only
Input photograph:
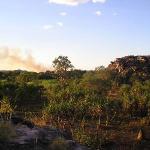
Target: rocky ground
[
  {"x": 39, "y": 138},
  {"x": 128, "y": 136}
]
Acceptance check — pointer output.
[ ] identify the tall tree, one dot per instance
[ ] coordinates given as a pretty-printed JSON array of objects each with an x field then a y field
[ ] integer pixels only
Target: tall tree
[{"x": 61, "y": 65}]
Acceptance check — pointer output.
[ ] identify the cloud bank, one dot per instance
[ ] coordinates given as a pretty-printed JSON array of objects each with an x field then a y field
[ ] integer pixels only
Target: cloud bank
[
  {"x": 75, "y": 2},
  {"x": 12, "y": 59}
]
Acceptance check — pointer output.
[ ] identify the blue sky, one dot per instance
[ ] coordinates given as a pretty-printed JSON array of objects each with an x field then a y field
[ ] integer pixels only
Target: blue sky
[{"x": 90, "y": 33}]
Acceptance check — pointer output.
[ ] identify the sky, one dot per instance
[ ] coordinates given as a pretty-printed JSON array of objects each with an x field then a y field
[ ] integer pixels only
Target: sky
[{"x": 90, "y": 32}]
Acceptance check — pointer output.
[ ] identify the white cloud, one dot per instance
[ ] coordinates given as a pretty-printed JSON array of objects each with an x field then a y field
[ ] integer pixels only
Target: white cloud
[
  {"x": 68, "y": 2},
  {"x": 47, "y": 27},
  {"x": 98, "y": 13},
  {"x": 60, "y": 24},
  {"x": 63, "y": 13},
  {"x": 75, "y": 2},
  {"x": 98, "y": 1}
]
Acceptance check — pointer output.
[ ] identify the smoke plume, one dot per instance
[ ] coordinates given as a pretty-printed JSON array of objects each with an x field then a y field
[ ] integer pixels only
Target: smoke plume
[{"x": 12, "y": 59}]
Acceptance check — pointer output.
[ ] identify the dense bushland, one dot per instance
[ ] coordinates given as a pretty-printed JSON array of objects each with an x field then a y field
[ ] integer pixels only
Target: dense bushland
[{"x": 78, "y": 100}]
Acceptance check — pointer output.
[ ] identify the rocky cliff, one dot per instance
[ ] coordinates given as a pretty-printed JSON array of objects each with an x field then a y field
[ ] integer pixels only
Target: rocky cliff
[{"x": 138, "y": 66}]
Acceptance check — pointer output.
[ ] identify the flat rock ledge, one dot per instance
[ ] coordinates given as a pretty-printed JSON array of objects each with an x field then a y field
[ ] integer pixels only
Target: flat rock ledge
[{"x": 40, "y": 138}]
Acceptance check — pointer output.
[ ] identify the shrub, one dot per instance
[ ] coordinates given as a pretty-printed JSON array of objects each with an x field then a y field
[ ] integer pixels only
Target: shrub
[{"x": 89, "y": 138}]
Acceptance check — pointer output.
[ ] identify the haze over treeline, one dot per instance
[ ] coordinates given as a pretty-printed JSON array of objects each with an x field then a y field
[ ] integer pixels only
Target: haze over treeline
[{"x": 13, "y": 59}]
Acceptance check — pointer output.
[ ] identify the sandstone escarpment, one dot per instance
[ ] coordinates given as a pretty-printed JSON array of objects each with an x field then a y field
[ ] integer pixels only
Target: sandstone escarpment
[{"x": 132, "y": 65}]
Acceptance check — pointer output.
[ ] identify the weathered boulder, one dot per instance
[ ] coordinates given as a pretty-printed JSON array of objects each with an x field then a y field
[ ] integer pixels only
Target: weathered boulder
[
  {"x": 40, "y": 138},
  {"x": 18, "y": 120},
  {"x": 140, "y": 135}
]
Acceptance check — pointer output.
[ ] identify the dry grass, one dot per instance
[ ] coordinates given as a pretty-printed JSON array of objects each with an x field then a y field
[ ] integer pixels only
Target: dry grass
[
  {"x": 39, "y": 121},
  {"x": 59, "y": 144}
]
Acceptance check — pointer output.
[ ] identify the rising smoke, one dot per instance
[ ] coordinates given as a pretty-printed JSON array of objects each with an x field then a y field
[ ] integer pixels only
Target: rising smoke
[{"x": 13, "y": 59}]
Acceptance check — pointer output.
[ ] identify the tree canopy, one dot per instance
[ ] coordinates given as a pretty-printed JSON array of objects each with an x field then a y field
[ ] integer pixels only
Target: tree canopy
[{"x": 61, "y": 65}]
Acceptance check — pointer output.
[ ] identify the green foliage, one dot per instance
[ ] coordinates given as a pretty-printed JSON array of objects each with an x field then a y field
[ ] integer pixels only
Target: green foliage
[
  {"x": 75, "y": 74},
  {"x": 47, "y": 83},
  {"x": 48, "y": 75},
  {"x": 8, "y": 89},
  {"x": 29, "y": 96},
  {"x": 5, "y": 106},
  {"x": 94, "y": 141},
  {"x": 23, "y": 95},
  {"x": 99, "y": 81},
  {"x": 60, "y": 109},
  {"x": 25, "y": 77},
  {"x": 61, "y": 65},
  {"x": 136, "y": 97}
]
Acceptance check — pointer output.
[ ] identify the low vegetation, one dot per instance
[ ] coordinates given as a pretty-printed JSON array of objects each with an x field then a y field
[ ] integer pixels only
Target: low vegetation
[{"x": 95, "y": 107}]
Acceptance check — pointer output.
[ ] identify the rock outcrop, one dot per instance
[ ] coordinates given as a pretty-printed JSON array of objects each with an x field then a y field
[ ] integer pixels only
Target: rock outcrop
[
  {"x": 18, "y": 120},
  {"x": 140, "y": 135},
  {"x": 129, "y": 65},
  {"x": 29, "y": 137}
]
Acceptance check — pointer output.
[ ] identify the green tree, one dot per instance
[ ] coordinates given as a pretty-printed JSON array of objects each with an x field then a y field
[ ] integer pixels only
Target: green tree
[
  {"x": 99, "y": 68},
  {"x": 61, "y": 65}
]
